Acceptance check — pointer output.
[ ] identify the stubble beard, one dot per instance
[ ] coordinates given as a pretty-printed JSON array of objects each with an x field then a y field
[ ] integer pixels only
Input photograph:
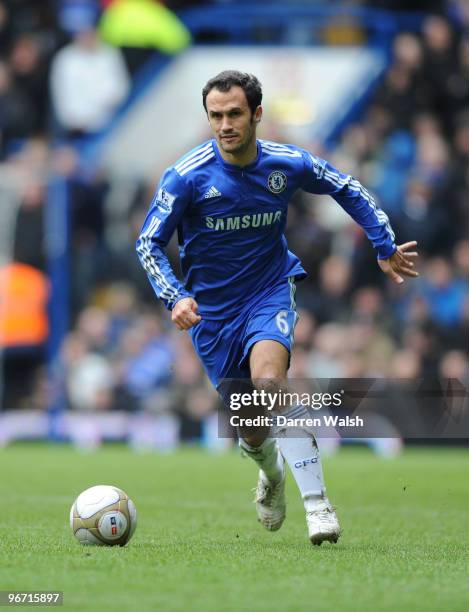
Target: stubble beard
[{"x": 242, "y": 147}]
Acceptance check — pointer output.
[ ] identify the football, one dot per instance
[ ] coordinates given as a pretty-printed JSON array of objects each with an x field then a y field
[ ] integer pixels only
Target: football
[{"x": 104, "y": 516}]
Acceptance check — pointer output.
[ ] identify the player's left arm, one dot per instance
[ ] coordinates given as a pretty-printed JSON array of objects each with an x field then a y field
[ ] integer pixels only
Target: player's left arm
[{"x": 397, "y": 261}]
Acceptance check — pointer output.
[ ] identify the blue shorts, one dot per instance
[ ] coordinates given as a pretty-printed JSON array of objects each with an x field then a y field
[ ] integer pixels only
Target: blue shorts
[{"x": 223, "y": 346}]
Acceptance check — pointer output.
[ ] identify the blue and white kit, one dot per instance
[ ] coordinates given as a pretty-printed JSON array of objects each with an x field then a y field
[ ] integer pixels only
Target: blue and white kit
[{"x": 234, "y": 256}]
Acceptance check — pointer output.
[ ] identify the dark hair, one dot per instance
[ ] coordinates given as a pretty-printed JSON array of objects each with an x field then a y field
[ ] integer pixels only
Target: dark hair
[{"x": 229, "y": 78}]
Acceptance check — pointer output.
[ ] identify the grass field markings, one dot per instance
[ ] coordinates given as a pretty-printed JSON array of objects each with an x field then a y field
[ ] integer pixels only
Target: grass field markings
[{"x": 395, "y": 561}]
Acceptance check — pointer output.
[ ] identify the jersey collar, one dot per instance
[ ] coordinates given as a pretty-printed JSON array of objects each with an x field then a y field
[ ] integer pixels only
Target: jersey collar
[{"x": 234, "y": 167}]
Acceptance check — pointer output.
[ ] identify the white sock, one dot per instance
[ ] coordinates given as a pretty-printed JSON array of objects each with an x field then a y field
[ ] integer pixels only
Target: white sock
[
  {"x": 266, "y": 456},
  {"x": 300, "y": 451}
]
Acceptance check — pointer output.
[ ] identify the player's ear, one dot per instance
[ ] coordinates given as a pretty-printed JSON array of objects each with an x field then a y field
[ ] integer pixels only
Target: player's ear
[{"x": 258, "y": 114}]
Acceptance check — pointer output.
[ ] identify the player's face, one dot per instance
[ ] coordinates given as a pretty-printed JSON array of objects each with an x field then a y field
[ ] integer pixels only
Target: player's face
[{"x": 231, "y": 120}]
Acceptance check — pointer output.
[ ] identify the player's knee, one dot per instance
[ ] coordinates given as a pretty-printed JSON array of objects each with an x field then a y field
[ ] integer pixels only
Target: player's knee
[
  {"x": 269, "y": 361},
  {"x": 268, "y": 381}
]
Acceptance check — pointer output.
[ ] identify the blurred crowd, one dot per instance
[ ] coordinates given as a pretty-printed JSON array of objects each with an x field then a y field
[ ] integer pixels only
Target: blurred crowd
[{"x": 410, "y": 147}]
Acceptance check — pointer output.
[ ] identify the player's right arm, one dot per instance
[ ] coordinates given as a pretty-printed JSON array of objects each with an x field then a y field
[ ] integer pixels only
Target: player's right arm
[{"x": 166, "y": 211}]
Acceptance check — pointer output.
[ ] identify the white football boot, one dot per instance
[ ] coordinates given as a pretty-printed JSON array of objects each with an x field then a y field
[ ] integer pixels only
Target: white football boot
[
  {"x": 322, "y": 523},
  {"x": 270, "y": 501}
]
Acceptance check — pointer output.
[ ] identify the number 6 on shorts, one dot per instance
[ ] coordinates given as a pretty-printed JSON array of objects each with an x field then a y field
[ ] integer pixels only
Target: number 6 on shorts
[{"x": 282, "y": 323}]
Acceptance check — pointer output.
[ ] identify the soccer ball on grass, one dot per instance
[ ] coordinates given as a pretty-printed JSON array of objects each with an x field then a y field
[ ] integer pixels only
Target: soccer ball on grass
[{"x": 103, "y": 515}]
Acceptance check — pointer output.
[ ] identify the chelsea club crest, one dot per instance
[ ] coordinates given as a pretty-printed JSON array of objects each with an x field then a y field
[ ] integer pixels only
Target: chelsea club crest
[{"x": 277, "y": 181}]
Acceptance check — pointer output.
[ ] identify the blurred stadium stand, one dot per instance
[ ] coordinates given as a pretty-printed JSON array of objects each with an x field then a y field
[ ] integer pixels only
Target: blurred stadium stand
[{"x": 112, "y": 365}]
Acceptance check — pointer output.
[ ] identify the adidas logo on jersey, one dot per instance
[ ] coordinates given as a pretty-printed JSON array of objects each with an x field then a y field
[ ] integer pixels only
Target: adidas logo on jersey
[{"x": 212, "y": 193}]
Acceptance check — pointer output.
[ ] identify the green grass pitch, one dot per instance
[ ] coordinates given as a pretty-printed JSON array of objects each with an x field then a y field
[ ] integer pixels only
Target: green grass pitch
[{"x": 198, "y": 546}]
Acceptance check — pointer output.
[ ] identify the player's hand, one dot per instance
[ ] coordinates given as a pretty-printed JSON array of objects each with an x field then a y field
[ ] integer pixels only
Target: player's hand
[
  {"x": 184, "y": 313},
  {"x": 400, "y": 263}
]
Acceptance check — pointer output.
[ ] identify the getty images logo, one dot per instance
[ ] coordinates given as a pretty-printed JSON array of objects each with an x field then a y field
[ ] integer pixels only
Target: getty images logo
[{"x": 305, "y": 462}]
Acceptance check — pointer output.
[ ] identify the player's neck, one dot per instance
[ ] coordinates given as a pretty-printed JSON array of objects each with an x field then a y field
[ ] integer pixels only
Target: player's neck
[{"x": 246, "y": 157}]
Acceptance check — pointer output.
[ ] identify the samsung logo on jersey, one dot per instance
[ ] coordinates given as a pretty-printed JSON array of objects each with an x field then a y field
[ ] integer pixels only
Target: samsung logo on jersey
[{"x": 243, "y": 222}]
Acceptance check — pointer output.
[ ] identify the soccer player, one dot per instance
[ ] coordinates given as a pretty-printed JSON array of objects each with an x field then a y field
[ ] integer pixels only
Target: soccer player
[{"x": 228, "y": 200}]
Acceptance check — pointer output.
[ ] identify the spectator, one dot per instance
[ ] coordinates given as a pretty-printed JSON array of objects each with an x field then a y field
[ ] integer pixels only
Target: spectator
[
  {"x": 29, "y": 70},
  {"x": 89, "y": 377},
  {"x": 444, "y": 295},
  {"x": 29, "y": 236},
  {"x": 441, "y": 64},
  {"x": 335, "y": 279},
  {"x": 422, "y": 220},
  {"x": 17, "y": 110},
  {"x": 461, "y": 259},
  {"x": 88, "y": 83},
  {"x": 144, "y": 361}
]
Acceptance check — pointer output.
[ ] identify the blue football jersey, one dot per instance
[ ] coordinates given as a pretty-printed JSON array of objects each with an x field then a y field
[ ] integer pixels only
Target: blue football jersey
[{"x": 231, "y": 223}]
